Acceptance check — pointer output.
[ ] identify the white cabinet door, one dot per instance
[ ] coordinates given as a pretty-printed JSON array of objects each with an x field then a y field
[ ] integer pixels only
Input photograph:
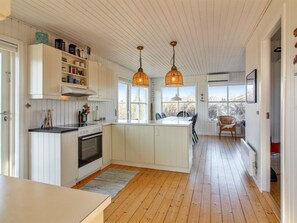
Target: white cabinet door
[
  {"x": 45, "y": 72},
  {"x": 106, "y": 152},
  {"x": 140, "y": 144},
  {"x": 93, "y": 79},
  {"x": 54, "y": 158},
  {"x": 69, "y": 162},
  {"x": 107, "y": 83},
  {"x": 171, "y": 146},
  {"x": 118, "y": 142},
  {"x": 45, "y": 157}
]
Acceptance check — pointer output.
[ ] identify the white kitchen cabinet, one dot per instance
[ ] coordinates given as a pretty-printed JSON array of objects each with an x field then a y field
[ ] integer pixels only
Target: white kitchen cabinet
[
  {"x": 107, "y": 83},
  {"x": 93, "y": 74},
  {"x": 140, "y": 144},
  {"x": 173, "y": 146},
  {"x": 103, "y": 81},
  {"x": 118, "y": 142},
  {"x": 45, "y": 72},
  {"x": 54, "y": 158},
  {"x": 106, "y": 151}
]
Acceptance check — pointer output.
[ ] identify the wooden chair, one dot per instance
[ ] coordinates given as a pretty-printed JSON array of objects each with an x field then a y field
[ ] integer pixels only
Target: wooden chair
[
  {"x": 163, "y": 115},
  {"x": 227, "y": 123}
]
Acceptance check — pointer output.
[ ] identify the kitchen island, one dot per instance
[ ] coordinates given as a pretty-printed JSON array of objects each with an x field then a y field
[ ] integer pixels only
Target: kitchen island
[
  {"x": 28, "y": 201},
  {"x": 164, "y": 144}
]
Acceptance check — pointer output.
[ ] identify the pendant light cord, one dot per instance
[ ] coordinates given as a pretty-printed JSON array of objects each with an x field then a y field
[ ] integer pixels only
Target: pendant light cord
[
  {"x": 173, "y": 56},
  {"x": 140, "y": 59}
]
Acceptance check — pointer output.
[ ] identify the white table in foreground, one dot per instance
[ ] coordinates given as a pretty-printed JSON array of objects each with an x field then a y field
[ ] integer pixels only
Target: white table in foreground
[{"x": 28, "y": 201}]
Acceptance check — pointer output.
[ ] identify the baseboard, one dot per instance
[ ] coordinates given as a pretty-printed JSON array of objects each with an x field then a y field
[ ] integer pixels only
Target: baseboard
[{"x": 152, "y": 166}]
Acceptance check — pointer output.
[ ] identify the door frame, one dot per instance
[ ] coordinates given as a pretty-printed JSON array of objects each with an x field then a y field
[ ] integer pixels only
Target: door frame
[
  {"x": 265, "y": 106},
  {"x": 19, "y": 166}
]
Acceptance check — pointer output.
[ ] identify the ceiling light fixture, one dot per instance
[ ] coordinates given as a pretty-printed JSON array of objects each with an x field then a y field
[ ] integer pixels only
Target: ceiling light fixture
[
  {"x": 140, "y": 78},
  {"x": 5, "y": 9},
  {"x": 176, "y": 98},
  {"x": 174, "y": 78}
]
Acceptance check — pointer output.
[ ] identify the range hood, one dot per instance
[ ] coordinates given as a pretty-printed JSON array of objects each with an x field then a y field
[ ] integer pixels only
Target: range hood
[{"x": 76, "y": 92}]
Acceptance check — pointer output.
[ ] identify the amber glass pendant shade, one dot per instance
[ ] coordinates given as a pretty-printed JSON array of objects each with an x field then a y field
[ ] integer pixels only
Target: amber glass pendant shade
[
  {"x": 140, "y": 78},
  {"x": 174, "y": 78}
]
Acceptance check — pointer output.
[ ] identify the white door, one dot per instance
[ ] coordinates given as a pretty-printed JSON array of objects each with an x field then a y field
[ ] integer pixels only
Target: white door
[{"x": 5, "y": 108}]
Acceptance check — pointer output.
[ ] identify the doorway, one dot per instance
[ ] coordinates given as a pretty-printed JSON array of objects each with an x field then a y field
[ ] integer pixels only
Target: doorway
[{"x": 275, "y": 117}]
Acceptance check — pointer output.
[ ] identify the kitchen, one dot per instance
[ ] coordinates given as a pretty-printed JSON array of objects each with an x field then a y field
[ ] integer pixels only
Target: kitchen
[
  {"x": 46, "y": 106},
  {"x": 110, "y": 33}
]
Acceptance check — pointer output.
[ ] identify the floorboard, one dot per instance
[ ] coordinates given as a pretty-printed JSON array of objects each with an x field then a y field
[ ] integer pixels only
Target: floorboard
[{"x": 218, "y": 189}]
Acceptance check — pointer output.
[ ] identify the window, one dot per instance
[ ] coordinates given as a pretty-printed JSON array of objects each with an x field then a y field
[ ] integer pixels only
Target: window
[
  {"x": 139, "y": 101},
  {"x": 123, "y": 101},
  {"x": 132, "y": 102},
  {"x": 171, "y": 106},
  {"x": 226, "y": 100}
]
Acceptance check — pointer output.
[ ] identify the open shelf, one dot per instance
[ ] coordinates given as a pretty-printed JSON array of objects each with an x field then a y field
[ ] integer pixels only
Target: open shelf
[
  {"x": 75, "y": 75},
  {"x": 74, "y": 56},
  {"x": 73, "y": 65}
]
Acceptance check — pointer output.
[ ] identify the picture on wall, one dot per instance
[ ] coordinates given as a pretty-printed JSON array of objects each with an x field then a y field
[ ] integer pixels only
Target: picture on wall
[{"x": 251, "y": 87}]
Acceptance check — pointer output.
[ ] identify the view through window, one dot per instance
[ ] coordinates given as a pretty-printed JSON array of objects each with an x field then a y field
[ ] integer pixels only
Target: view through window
[
  {"x": 132, "y": 102},
  {"x": 187, "y": 102},
  {"x": 226, "y": 100}
]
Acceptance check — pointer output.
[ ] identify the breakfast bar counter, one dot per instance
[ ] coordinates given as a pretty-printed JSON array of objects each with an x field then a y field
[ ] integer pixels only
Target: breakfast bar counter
[
  {"x": 28, "y": 201},
  {"x": 164, "y": 144}
]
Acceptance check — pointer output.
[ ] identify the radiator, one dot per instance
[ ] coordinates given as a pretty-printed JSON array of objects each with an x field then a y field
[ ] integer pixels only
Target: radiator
[{"x": 248, "y": 157}]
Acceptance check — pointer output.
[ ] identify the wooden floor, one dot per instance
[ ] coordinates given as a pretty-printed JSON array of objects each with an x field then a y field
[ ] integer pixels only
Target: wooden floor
[
  {"x": 275, "y": 190},
  {"x": 218, "y": 189}
]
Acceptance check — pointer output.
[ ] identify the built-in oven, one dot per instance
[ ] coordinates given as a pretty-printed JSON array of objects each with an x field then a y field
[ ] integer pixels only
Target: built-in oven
[{"x": 89, "y": 148}]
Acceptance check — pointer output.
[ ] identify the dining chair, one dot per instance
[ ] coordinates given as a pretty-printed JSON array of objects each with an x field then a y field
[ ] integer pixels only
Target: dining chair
[
  {"x": 183, "y": 114},
  {"x": 195, "y": 137},
  {"x": 158, "y": 116},
  {"x": 163, "y": 115}
]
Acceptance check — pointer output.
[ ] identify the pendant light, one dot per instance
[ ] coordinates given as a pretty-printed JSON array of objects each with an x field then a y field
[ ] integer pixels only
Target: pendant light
[
  {"x": 176, "y": 98},
  {"x": 5, "y": 9},
  {"x": 140, "y": 78},
  {"x": 174, "y": 78}
]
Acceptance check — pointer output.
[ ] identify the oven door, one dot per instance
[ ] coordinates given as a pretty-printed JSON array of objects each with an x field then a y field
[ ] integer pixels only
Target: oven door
[{"x": 89, "y": 148}]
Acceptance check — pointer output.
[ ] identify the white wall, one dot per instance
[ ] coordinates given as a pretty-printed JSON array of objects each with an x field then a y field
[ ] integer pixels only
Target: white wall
[
  {"x": 203, "y": 125},
  {"x": 64, "y": 111},
  {"x": 286, "y": 10}
]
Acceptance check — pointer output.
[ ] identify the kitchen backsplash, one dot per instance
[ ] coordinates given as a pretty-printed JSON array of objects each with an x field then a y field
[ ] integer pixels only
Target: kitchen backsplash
[{"x": 66, "y": 111}]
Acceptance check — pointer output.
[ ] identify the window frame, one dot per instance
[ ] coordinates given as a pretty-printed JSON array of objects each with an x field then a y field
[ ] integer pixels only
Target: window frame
[
  {"x": 228, "y": 102},
  {"x": 179, "y": 102},
  {"x": 129, "y": 101}
]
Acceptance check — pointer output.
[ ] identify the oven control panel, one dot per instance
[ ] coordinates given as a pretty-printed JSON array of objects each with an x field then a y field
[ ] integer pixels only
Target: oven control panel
[{"x": 89, "y": 130}]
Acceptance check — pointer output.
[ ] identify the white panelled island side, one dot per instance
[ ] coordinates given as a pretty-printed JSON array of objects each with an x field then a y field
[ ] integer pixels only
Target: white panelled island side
[{"x": 165, "y": 144}]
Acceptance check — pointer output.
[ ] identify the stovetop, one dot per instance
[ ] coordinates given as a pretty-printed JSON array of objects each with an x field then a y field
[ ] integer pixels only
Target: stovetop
[
  {"x": 78, "y": 125},
  {"x": 84, "y": 128}
]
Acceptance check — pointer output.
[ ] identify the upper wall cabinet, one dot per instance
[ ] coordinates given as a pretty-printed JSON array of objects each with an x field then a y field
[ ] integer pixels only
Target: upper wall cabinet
[
  {"x": 102, "y": 80},
  {"x": 45, "y": 72},
  {"x": 50, "y": 68}
]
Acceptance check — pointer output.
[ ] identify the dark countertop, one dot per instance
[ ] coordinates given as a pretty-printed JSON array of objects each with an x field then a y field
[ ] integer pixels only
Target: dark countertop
[{"x": 53, "y": 130}]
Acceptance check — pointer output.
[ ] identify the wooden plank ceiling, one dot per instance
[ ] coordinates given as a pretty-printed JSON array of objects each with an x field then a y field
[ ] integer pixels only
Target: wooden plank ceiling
[{"x": 211, "y": 34}]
